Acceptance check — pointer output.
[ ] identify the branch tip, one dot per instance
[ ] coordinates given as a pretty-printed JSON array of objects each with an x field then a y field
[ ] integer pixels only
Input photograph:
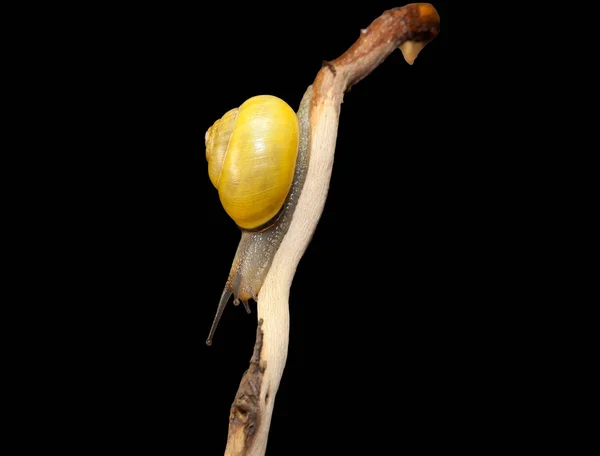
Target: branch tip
[{"x": 410, "y": 50}]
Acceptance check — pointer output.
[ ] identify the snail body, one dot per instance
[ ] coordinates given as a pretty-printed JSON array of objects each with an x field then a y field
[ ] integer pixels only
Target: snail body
[{"x": 257, "y": 160}]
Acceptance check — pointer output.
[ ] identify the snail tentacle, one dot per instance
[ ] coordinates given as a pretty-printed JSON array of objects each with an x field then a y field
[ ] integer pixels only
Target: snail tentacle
[{"x": 222, "y": 303}]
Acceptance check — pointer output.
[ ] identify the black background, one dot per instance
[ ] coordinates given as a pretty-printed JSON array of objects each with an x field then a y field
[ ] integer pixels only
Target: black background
[
  {"x": 369, "y": 303},
  {"x": 392, "y": 298},
  {"x": 378, "y": 300}
]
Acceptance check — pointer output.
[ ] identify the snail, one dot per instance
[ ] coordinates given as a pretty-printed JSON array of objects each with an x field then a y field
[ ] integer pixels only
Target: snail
[{"x": 257, "y": 158}]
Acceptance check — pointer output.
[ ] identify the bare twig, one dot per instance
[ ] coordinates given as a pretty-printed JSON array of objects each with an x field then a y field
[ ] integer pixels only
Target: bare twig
[{"x": 409, "y": 28}]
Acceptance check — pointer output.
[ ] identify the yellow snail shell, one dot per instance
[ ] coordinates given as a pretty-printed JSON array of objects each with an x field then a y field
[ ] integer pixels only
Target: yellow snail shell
[{"x": 251, "y": 153}]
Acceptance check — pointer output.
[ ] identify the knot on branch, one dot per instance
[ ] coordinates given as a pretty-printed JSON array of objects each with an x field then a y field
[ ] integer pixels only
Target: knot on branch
[{"x": 244, "y": 416}]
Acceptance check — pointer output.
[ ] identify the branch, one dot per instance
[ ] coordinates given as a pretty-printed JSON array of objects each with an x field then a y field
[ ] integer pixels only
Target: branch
[{"x": 409, "y": 28}]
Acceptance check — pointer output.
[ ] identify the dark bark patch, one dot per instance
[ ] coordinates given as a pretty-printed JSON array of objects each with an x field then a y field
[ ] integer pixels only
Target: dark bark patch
[{"x": 244, "y": 416}]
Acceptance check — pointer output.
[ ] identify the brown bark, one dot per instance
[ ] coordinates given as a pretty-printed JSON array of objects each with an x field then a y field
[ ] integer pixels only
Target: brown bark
[{"x": 245, "y": 411}]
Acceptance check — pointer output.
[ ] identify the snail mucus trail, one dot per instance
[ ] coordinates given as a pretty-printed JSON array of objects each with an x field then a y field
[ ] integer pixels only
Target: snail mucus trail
[{"x": 257, "y": 247}]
